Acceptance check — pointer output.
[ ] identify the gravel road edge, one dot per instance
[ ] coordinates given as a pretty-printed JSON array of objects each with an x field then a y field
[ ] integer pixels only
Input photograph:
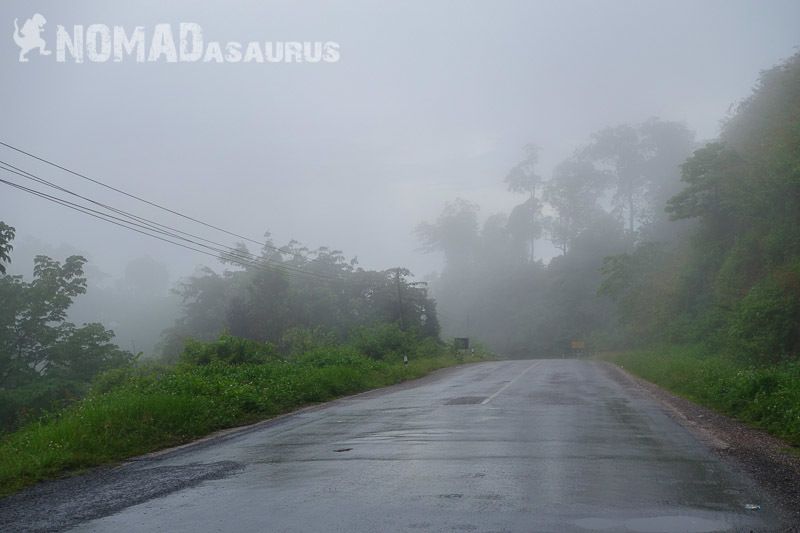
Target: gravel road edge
[{"x": 766, "y": 459}]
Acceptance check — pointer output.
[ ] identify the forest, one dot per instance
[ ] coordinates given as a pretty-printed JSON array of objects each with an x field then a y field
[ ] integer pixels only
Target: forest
[
  {"x": 289, "y": 299},
  {"x": 678, "y": 258},
  {"x": 605, "y": 201},
  {"x": 269, "y": 334},
  {"x": 662, "y": 240}
]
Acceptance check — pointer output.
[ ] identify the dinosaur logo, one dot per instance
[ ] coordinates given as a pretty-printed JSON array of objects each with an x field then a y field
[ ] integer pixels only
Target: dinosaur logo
[
  {"x": 166, "y": 43},
  {"x": 30, "y": 36}
]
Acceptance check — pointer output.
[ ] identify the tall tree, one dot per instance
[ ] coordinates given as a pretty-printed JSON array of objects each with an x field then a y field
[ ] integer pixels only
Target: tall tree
[
  {"x": 6, "y": 236},
  {"x": 572, "y": 193},
  {"x": 455, "y": 233},
  {"x": 642, "y": 161},
  {"x": 522, "y": 178},
  {"x": 266, "y": 301}
]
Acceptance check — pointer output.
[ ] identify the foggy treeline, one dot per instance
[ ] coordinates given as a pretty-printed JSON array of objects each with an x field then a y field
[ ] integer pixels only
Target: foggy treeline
[
  {"x": 661, "y": 239},
  {"x": 135, "y": 303},
  {"x": 604, "y": 200},
  {"x": 276, "y": 300},
  {"x": 285, "y": 302}
]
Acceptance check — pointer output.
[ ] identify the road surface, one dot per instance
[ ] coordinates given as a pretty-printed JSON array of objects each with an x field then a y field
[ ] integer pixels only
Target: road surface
[{"x": 536, "y": 445}]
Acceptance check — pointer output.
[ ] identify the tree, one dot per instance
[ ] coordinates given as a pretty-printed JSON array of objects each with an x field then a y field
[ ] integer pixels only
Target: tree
[
  {"x": 6, "y": 236},
  {"x": 642, "y": 162},
  {"x": 398, "y": 300},
  {"x": 261, "y": 305},
  {"x": 522, "y": 178},
  {"x": 270, "y": 300},
  {"x": 733, "y": 284},
  {"x": 498, "y": 247},
  {"x": 715, "y": 188},
  {"x": 455, "y": 233},
  {"x": 572, "y": 193},
  {"x": 35, "y": 338},
  {"x": 525, "y": 224},
  {"x": 619, "y": 152},
  {"x": 85, "y": 352}
]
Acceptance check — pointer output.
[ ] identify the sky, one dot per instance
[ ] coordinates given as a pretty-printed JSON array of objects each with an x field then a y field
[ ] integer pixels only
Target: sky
[{"x": 428, "y": 101}]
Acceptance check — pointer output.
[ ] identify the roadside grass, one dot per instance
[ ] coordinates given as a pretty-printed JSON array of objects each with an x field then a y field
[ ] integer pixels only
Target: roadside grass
[
  {"x": 134, "y": 411},
  {"x": 766, "y": 396}
]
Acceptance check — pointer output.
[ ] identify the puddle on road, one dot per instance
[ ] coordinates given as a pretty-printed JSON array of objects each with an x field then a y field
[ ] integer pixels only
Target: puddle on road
[
  {"x": 654, "y": 524},
  {"x": 465, "y": 400}
]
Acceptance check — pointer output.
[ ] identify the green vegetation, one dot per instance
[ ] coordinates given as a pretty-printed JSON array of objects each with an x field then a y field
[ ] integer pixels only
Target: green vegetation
[
  {"x": 733, "y": 283},
  {"x": 662, "y": 240},
  {"x": 268, "y": 299},
  {"x": 230, "y": 382},
  {"x": 291, "y": 328},
  {"x": 663, "y": 243},
  {"x": 283, "y": 302},
  {"x": 46, "y": 361},
  {"x": 765, "y": 396},
  {"x": 732, "y": 287},
  {"x": 693, "y": 249},
  {"x": 606, "y": 199}
]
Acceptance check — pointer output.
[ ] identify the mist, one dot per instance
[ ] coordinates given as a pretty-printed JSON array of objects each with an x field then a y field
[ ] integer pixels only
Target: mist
[
  {"x": 499, "y": 152},
  {"x": 429, "y": 101},
  {"x": 578, "y": 221}
]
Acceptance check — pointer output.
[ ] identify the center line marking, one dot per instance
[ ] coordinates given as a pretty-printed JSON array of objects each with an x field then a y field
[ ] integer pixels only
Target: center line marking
[{"x": 507, "y": 385}]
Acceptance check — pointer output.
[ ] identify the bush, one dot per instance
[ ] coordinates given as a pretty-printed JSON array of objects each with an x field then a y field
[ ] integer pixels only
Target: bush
[
  {"x": 767, "y": 396},
  {"x": 229, "y": 350},
  {"x": 384, "y": 341},
  {"x": 130, "y": 411},
  {"x": 333, "y": 356},
  {"x": 30, "y": 401},
  {"x": 297, "y": 341},
  {"x": 764, "y": 323}
]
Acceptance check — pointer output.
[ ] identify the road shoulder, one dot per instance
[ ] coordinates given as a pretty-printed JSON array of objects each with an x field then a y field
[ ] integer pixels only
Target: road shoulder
[
  {"x": 59, "y": 504},
  {"x": 768, "y": 460}
]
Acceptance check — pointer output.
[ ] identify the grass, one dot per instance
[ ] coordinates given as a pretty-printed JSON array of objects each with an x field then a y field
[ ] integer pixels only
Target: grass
[
  {"x": 766, "y": 396},
  {"x": 135, "y": 411}
]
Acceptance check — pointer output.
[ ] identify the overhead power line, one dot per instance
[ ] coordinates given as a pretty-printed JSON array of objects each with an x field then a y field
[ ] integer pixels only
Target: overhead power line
[
  {"x": 254, "y": 263},
  {"x": 87, "y": 211},
  {"x": 143, "y": 200},
  {"x": 143, "y": 223},
  {"x": 230, "y": 255}
]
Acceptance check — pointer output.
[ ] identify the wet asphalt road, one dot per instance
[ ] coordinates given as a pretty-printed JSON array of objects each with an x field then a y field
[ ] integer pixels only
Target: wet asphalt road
[{"x": 549, "y": 445}]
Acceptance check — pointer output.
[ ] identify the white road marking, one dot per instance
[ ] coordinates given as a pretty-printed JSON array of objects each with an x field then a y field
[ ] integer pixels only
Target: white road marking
[{"x": 507, "y": 385}]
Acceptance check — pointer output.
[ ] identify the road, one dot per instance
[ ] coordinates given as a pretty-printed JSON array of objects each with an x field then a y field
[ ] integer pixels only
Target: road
[{"x": 542, "y": 445}]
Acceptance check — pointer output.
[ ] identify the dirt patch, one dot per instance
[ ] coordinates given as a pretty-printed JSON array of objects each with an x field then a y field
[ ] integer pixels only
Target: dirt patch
[{"x": 768, "y": 460}]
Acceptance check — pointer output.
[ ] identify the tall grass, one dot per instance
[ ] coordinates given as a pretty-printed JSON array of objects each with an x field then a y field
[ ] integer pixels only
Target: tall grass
[
  {"x": 134, "y": 411},
  {"x": 766, "y": 396}
]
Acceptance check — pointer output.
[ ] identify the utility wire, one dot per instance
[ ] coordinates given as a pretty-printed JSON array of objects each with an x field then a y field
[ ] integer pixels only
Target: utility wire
[
  {"x": 156, "y": 226},
  {"x": 231, "y": 255},
  {"x": 241, "y": 259},
  {"x": 86, "y": 211},
  {"x": 25, "y": 174},
  {"x": 140, "y": 199},
  {"x": 108, "y": 218}
]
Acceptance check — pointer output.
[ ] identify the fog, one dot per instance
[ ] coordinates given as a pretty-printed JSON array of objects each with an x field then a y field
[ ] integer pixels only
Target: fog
[{"x": 428, "y": 102}]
